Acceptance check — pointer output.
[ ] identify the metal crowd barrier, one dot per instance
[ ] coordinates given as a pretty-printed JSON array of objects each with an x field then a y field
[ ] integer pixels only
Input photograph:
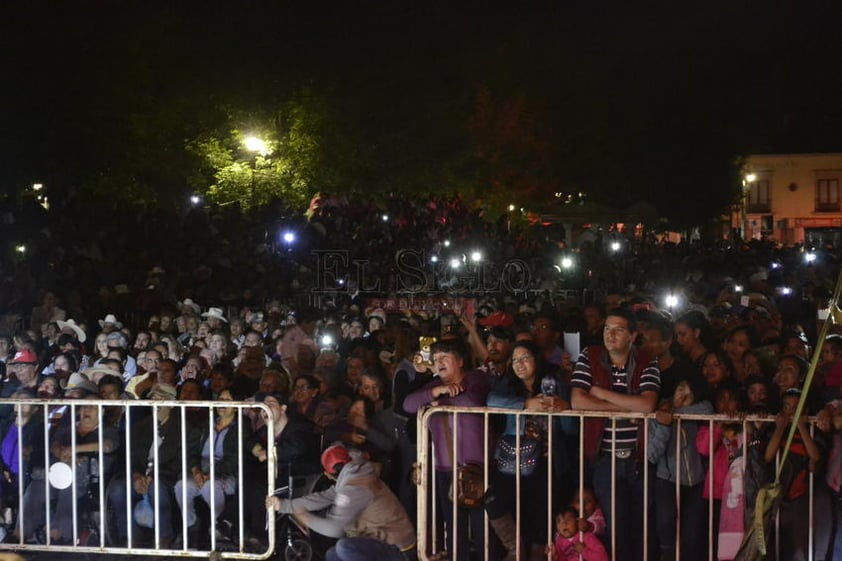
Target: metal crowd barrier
[
  {"x": 432, "y": 543},
  {"x": 93, "y": 528}
]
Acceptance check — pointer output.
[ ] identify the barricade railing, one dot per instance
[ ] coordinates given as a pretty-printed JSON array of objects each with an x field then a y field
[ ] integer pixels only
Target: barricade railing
[
  {"x": 434, "y": 527},
  {"x": 71, "y": 481}
]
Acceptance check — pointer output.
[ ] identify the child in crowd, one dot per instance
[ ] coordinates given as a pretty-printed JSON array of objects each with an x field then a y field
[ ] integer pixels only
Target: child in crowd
[
  {"x": 570, "y": 543},
  {"x": 592, "y": 519},
  {"x": 802, "y": 459},
  {"x": 677, "y": 459},
  {"x": 726, "y": 446}
]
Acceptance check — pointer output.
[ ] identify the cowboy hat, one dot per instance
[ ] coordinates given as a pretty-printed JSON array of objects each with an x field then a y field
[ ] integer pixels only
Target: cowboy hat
[
  {"x": 189, "y": 305},
  {"x": 110, "y": 319},
  {"x": 215, "y": 313},
  {"x": 70, "y": 324}
]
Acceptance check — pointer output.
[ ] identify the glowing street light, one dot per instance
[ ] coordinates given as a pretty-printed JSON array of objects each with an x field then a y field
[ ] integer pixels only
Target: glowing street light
[
  {"x": 671, "y": 301},
  {"x": 434, "y": 259},
  {"x": 512, "y": 208},
  {"x": 751, "y": 177},
  {"x": 195, "y": 200},
  {"x": 809, "y": 257},
  {"x": 37, "y": 186},
  {"x": 289, "y": 237},
  {"x": 738, "y": 288},
  {"x": 385, "y": 218},
  {"x": 256, "y": 145},
  {"x": 446, "y": 243},
  {"x": 476, "y": 256},
  {"x": 566, "y": 263},
  {"x": 455, "y": 263},
  {"x": 20, "y": 248},
  {"x": 615, "y": 246}
]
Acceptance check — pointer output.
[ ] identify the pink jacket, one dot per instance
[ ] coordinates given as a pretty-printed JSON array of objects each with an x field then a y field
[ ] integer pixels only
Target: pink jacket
[
  {"x": 565, "y": 549},
  {"x": 723, "y": 451}
]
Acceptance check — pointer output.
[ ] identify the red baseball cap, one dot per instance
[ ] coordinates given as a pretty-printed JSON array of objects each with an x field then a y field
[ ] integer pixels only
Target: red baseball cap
[
  {"x": 497, "y": 319},
  {"x": 334, "y": 455},
  {"x": 25, "y": 356}
]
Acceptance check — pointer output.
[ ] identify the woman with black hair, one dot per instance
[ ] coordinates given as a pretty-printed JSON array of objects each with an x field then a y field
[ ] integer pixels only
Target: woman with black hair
[{"x": 531, "y": 385}]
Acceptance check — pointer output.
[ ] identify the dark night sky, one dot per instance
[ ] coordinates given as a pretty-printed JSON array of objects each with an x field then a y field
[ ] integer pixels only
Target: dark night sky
[{"x": 607, "y": 82}]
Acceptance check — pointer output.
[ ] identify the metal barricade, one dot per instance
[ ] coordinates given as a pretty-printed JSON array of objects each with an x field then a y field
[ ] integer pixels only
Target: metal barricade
[
  {"x": 74, "y": 485},
  {"x": 433, "y": 525}
]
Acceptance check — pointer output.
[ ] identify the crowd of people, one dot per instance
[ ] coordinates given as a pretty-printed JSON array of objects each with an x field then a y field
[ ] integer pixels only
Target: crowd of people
[
  {"x": 354, "y": 373},
  {"x": 357, "y": 377}
]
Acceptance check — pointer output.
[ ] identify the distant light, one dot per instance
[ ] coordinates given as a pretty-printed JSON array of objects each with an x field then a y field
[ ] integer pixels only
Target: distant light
[
  {"x": 37, "y": 186},
  {"x": 20, "y": 249},
  {"x": 446, "y": 243},
  {"x": 786, "y": 291},
  {"x": 289, "y": 237},
  {"x": 512, "y": 208},
  {"x": 340, "y": 282},
  {"x": 566, "y": 263},
  {"x": 327, "y": 341},
  {"x": 385, "y": 218},
  {"x": 738, "y": 288},
  {"x": 809, "y": 257},
  {"x": 455, "y": 263},
  {"x": 195, "y": 199},
  {"x": 671, "y": 301},
  {"x": 751, "y": 177},
  {"x": 476, "y": 256},
  {"x": 615, "y": 246},
  {"x": 257, "y": 145},
  {"x": 776, "y": 265},
  {"x": 434, "y": 259}
]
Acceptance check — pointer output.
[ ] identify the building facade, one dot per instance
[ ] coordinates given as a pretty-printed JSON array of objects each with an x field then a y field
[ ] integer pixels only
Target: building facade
[{"x": 792, "y": 198}]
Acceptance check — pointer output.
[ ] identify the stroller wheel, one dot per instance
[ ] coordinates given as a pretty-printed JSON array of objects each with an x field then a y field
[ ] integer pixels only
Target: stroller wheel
[{"x": 298, "y": 550}]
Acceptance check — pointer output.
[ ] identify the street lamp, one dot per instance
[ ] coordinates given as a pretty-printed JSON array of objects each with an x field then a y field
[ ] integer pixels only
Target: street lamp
[
  {"x": 748, "y": 179},
  {"x": 258, "y": 147}
]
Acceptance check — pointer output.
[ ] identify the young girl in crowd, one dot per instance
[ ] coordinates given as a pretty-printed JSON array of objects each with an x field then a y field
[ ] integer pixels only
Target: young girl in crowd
[
  {"x": 572, "y": 545},
  {"x": 592, "y": 519},
  {"x": 722, "y": 446},
  {"x": 677, "y": 459}
]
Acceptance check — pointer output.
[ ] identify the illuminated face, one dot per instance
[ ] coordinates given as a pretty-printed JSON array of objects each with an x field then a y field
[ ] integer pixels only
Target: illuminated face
[
  {"x": 788, "y": 375},
  {"x": 683, "y": 395},
  {"x": 789, "y": 404},
  {"x": 686, "y": 336},
  {"x": 167, "y": 373},
  {"x": 101, "y": 344},
  {"x": 217, "y": 344},
  {"x": 60, "y": 364},
  {"x": 236, "y": 328},
  {"x": 448, "y": 366},
  {"x": 797, "y": 347},
  {"x": 523, "y": 363},
  {"x": 218, "y": 382},
  {"x": 736, "y": 345},
  {"x": 166, "y": 323},
  {"x": 355, "y": 330},
  {"x": 252, "y": 340},
  {"x": 616, "y": 334},
  {"x": 756, "y": 393},
  {"x": 566, "y": 525},
  {"x": 303, "y": 393},
  {"x": 588, "y": 503},
  {"x": 713, "y": 370},
  {"x": 370, "y": 388},
  {"x": 498, "y": 349},
  {"x": 142, "y": 340},
  {"x": 204, "y": 328},
  {"x": 356, "y": 414}
]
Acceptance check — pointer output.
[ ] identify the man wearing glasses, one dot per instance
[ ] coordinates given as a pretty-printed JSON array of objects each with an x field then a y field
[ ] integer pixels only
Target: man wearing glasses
[{"x": 617, "y": 377}]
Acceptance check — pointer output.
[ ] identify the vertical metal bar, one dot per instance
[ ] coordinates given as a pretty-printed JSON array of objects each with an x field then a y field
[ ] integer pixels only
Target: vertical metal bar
[
  {"x": 678, "y": 432},
  {"x": 485, "y": 432},
  {"x": 156, "y": 512},
  {"x": 240, "y": 451},
  {"x": 517, "y": 485},
  {"x": 710, "y": 490},
  {"x": 129, "y": 477},
  {"x": 613, "y": 506},
  {"x": 73, "y": 466},
  {"x": 212, "y": 436},
  {"x": 101, "y": 480},
  {"x": 550, "y": 422},
  {"x": 646, "y": 488},
  {"x": 184, "y": 470},
  {"x": 454, "y": 474}
]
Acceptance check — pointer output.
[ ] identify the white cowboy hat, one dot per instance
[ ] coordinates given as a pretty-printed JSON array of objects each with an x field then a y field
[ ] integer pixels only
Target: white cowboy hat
[
  {"x": 215, "y": 313},
  {"x": 70, "y": 324},
  {"x": 112, "y": 320},
  {"x": 189, "y": 304}
]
